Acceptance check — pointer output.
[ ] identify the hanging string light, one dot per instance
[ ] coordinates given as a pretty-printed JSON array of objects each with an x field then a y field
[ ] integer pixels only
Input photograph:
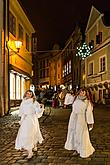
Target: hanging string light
[{"x": 83, "y": 51}]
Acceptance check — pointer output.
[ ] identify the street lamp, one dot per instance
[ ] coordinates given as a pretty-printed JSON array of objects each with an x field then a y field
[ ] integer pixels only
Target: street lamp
[
  {"x": 18, "y": 45},
  {"x": 12, "y": 45}
]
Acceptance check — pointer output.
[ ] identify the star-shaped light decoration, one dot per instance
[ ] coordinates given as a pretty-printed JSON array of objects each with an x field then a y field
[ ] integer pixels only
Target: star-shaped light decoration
[{"x": 83, "y": 51}]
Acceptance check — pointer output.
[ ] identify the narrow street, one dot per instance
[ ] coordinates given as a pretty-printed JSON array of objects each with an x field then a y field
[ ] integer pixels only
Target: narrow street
[{"x": 54, "y": 130}]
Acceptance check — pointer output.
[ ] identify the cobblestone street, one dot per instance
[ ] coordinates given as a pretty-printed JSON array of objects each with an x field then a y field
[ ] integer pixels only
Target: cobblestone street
[{"x": 54, "y": 129}]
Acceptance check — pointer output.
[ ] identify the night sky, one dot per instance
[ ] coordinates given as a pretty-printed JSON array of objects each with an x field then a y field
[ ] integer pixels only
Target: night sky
[{"x": 54, "y": 20}]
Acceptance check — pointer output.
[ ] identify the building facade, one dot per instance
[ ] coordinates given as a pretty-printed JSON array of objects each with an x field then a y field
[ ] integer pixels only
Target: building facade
[
  {"x": 49, "y": 71},
  {"x": 20, "y": 62},
  {"x": 70, "y": 61},
  {"x": 63, "y": 64},
  {"x": 43, "y": 70},
  {"x": 97, "y": 65},
  {"x": 15, "y": 62},
  {"x": 56, "y": 67}
]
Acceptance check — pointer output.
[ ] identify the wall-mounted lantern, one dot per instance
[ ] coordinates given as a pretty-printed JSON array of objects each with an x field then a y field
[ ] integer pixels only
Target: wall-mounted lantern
[
  {"x": 13, "y": 45},
  {"x": 18, "y": 45}
]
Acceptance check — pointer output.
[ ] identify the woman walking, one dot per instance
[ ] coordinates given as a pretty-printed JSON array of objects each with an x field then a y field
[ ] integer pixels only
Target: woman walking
[
  {"x": 29, "y": 132},
  {"x": 80, "y": 123}
]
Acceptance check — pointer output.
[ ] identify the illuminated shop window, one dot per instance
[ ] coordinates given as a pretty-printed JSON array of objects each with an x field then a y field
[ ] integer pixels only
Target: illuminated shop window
[
  {"x": 67, "y": 68},
  {"x": 17, "y": 87},
  {"x": 70, "y": 66},
  {"x": 12, "y": 86},
  {"x": 22, "y": 87}
]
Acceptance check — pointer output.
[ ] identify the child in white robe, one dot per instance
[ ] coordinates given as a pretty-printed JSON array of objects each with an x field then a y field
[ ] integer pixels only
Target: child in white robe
[
  {"x": 80, "y": 122},
  {"x": 29, "y": 133}
]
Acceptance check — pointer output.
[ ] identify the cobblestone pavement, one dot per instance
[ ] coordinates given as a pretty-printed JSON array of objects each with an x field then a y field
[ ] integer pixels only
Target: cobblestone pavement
[{"x": 51, "y": 151}]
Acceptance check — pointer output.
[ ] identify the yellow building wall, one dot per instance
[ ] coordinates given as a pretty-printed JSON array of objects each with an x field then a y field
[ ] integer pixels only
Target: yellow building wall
[{"x": 23, "y": 59}]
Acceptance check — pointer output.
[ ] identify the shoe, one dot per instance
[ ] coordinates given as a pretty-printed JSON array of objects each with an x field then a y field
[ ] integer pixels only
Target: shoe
[
  {"x": 75, "y": 153},
  {"x": 35, "y": 149},
  {"x": 30, "y": 155}
]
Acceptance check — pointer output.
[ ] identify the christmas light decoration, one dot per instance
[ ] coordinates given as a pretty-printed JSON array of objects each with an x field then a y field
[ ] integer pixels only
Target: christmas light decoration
[{"x": 83, "y": 51}]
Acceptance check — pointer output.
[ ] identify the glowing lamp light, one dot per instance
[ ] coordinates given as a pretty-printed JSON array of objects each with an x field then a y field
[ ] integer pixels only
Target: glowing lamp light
[{"x": 18, "y": 45}]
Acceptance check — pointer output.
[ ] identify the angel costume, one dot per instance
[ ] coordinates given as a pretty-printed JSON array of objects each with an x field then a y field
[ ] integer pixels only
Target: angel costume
[
  {"x": 29, "y": 132},
  {"x": 78, "y": 134}
]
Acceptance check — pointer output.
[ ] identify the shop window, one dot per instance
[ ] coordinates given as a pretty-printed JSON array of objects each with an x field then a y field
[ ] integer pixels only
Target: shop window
[
  {"x": 70, "y": 66},
  {"x": 12, "y": 86},
  {"x": 17, "y": 87},
  {"x": 67, "y": 68},
  {"x": 63, "y": 72}
]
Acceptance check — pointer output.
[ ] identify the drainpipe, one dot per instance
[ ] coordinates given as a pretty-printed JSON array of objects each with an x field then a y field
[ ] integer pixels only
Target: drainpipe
[
  {"x": 4, "y": 27},
  {"x": 8, "y": 57}
]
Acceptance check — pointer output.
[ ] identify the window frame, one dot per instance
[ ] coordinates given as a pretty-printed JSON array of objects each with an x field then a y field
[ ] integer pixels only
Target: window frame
[
  {"x": 100, "y": 67},
  {"x": 12, "y": 24},
  {"x": 20, "y": 32},
  {"x": 89, "y": 72},
  {"x": 27, "y": 42}
]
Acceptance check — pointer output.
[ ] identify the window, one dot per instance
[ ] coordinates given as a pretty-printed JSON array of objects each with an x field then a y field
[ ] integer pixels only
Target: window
[
  {"x": 12, "y": 86},
  {"x": 12, "y": 24},
  {"x": 40, "y": 73},
  {"x": 22, "y": 87},
  {"x": 63, "y": 72},
  {"x": 90, "y": 69},
  {"x": 43, "y": 63},
  {"x": 67, "y": 67},
  {"x": 43, "y": 73},
  {"x": 46, "y": 63},
  {"x": 34, "y": 43},
  {"x": 20, "y": 33},
  {"x": 40, "y": 64},
  {"x": 17, "y": 87},
  {"x": 99, "y": 38},
  {"x": 27, "y": 41},
  {"x": 102, "y": 64},
  {"x": 70, "y": 66}
]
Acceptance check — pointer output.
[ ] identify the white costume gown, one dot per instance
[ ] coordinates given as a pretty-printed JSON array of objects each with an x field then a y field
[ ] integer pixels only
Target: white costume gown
[
  {"x": 78, "y": 135},
  {"x": 29, "y": 132}
]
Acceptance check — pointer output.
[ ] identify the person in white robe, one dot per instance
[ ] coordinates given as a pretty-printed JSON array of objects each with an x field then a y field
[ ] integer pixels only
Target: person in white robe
[
  {"x": 80, "y": 123},
  {"x": 29, "y": 133}
]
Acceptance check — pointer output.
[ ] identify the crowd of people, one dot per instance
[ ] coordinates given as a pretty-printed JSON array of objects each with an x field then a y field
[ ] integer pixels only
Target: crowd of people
[
  {"x": 80, "y": 123},
  {"x": 57, "y": 98}
]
